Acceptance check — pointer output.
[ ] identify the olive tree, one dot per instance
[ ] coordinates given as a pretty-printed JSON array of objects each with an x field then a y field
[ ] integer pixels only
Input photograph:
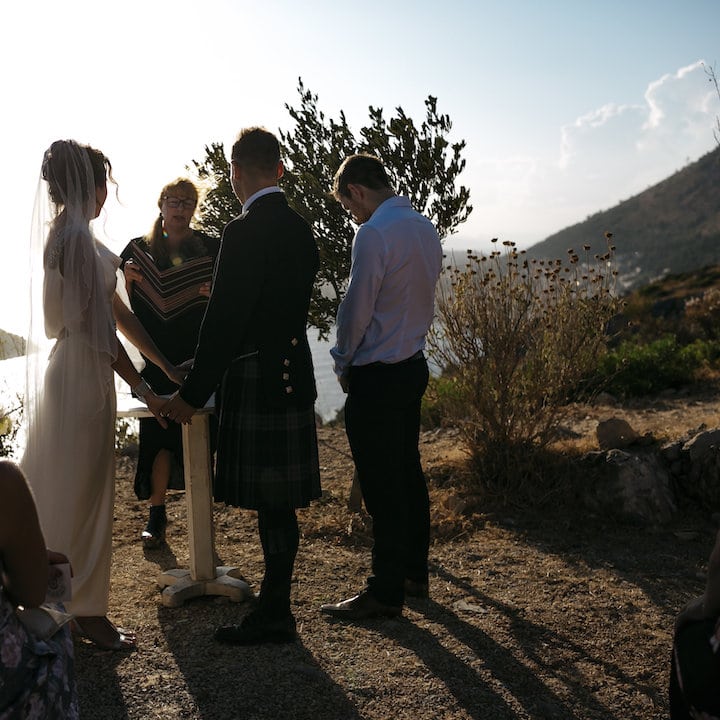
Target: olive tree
[{"x": 422, "y": 163}]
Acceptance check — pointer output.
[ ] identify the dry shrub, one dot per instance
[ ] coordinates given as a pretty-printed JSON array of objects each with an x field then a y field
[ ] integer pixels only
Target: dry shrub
[
  {"x": 702, "y": 316},
  {"x": 517, "y": 338}
]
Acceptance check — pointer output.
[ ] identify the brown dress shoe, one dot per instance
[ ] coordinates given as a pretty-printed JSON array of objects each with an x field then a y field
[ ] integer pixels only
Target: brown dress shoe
[{"x": 360, "y": 607}]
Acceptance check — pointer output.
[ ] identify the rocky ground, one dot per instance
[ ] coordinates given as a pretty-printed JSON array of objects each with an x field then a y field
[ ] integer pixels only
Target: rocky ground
[{"x": 535, "y": 612}]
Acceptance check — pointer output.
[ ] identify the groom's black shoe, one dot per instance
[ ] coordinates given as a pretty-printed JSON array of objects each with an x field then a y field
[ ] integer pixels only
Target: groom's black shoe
[
  {"x": 258, "y": 628},
  {"x": 361, "y": 607}
]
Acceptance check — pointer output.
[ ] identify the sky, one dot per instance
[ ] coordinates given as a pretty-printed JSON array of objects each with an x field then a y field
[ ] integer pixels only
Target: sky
[{"x": 567, "y": 106}]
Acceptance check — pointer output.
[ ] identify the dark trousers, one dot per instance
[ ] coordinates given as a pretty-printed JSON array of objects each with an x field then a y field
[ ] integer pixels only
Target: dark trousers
[
  {"x": 279, "y": 537},
  {"x": 382, "y": 421}
]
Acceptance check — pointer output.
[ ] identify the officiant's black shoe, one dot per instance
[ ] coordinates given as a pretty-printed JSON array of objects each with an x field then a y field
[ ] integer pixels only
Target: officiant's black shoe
[
  {"x": 257, "y": 628},
  {"x": 361, "y": 607},
  {"x": 154, "y": 533}
]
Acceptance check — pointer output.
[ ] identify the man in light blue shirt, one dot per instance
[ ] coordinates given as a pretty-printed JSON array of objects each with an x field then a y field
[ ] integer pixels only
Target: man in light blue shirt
[{"x": 381, "y": 328}]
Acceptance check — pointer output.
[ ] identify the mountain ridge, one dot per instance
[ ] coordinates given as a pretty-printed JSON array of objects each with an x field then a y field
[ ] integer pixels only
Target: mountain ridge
[{"x": 672, "y": 227}]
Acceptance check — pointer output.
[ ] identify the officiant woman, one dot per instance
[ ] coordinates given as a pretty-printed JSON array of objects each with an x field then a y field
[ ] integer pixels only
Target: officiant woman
[{"x": 171, "y": 243}]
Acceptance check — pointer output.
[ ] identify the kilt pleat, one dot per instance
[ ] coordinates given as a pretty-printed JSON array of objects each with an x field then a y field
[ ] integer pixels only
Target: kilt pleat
[{"x": 266, "y": 456}]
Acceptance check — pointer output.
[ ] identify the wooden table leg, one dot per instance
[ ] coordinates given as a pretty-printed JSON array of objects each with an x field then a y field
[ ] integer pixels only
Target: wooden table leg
[
  {"x": 198, "y": 495},
  {"x": 203, "y": 578}
]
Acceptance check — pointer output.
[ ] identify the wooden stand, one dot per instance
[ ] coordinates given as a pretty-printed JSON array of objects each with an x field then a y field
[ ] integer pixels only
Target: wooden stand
[{"x": 203, "y": 577}]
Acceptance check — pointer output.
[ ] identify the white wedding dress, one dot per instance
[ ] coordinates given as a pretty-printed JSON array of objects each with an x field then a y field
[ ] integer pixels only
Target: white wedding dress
[{"x": 70, "y": 458}]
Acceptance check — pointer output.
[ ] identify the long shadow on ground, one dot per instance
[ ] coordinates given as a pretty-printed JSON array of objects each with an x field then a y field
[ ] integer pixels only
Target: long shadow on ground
[
  {"x": 665, "y": 566},
  {"x": 99, "y": 691},
  {"x": 489, "y": 681},
  {"x": 254, "y": 683}
]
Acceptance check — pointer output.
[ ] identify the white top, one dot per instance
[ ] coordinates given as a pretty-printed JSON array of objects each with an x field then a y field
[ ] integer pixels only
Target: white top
[
  {"x": 389, "y": 305},
  {"x": 259, "y": 194}
]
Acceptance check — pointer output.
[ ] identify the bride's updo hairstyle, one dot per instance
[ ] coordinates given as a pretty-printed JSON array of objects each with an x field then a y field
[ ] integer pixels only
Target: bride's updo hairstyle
[{"x": 62, "y": 169}]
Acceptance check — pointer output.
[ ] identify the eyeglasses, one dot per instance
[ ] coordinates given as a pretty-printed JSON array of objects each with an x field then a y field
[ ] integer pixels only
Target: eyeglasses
[{"x": 180, "y": 202}]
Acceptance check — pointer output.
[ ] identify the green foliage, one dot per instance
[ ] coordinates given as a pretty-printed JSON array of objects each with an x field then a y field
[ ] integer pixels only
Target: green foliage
[
  {"x": 638, "y": 368},
  {"x": 312, "y": 154},
  {"x": 9, "y": 426},
  {"x": 702, "y": 316},
  {"x": 441, "y": 396},
  {"x": 218, "y": 204},
  {"x": 518, "y": 337},
  {"x": 127, "y": 433},
  {"x": 418, "y": 163},
  {"x": 420, "y": 160}
]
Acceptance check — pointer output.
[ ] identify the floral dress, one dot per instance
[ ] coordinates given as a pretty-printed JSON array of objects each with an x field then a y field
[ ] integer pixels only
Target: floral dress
[{"x": 37, "y": 679}]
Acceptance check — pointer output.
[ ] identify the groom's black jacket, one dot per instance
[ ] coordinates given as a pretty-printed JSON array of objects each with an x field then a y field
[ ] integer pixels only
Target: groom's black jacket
[{"x": 260, "y": 297}]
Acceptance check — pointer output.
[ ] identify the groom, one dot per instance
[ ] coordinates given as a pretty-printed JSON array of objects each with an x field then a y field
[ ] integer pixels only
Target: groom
[{"x": 253, "y": 342}]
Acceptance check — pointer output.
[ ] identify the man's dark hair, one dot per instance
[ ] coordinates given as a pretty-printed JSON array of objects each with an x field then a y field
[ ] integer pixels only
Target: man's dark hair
[
  {"x": 257, "y": 150},
  {"x": 361, "y": 169}
]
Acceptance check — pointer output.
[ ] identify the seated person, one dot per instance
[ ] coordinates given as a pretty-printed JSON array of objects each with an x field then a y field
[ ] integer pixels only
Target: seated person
[
  {"x": 695, "y": 669},
  {"x": 38, "y": 677}
]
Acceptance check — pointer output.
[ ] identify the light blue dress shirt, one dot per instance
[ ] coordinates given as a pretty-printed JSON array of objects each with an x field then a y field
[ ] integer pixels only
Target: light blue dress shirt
[{"x": 389, "y": 305}]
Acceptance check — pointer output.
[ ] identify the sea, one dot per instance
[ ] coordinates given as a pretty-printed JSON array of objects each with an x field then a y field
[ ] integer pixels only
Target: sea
[{"x": 330, "y": 396}]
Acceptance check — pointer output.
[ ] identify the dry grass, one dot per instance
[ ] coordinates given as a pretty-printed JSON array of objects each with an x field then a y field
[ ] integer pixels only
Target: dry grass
[{"x": 534, "y": 613}]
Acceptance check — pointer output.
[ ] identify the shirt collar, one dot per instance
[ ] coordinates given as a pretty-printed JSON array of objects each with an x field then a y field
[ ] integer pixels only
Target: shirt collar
[
  {"x": 392, "y": 202},
  {"x": 259, "y": 194}
]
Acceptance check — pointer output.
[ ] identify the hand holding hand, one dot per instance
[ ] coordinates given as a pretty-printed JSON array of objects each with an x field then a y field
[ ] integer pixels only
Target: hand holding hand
[
  {"x": 156, "y": 404},
  {"x": 178, "y": 410}
]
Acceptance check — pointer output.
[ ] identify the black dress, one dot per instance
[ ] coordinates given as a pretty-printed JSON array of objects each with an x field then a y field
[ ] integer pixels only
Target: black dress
[{"x": 176, "y": 337}]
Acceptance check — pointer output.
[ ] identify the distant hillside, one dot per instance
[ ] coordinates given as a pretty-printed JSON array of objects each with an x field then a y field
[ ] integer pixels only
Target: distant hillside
[
  {"x": 11, "y": 345},
  {"x": 672, "y": 227}
]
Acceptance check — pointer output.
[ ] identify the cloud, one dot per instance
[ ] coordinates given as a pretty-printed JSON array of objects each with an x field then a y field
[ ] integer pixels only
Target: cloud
[
  {"x": 585, "y": 141},
  {"x": 673, "y": 95},
  {"x": 604, "y": 156},
  {"x": 627, "y": 146}
]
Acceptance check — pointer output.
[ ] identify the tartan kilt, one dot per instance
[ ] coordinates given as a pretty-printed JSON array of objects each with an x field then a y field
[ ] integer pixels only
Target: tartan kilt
[{"x": 266, "y": 456}]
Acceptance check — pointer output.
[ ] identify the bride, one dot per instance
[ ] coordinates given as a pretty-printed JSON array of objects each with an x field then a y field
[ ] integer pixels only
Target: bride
[{"x": 70, "y": 400}]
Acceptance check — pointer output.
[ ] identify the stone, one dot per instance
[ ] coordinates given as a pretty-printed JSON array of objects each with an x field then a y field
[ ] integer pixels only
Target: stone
[
  {"x": 698, "y": 446},
  {"x": 701, "y": 479},
  {"x": 633, "y": 487},
  {"x": 672, "y": 451},
  {"x": 615, "y": 433}
]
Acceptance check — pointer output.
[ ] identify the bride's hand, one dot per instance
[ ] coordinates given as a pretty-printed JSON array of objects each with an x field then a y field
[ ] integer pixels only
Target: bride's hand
[
  {"x": 178, "y": 410},
  {"x": 155, "y": 404}
]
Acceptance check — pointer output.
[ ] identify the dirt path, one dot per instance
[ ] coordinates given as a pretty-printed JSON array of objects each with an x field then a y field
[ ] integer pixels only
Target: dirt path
[{"x": 530, "y": 616}]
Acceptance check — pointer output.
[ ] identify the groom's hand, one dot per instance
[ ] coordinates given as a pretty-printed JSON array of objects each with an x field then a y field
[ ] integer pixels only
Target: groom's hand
[{"x": 178, "y": 410}]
